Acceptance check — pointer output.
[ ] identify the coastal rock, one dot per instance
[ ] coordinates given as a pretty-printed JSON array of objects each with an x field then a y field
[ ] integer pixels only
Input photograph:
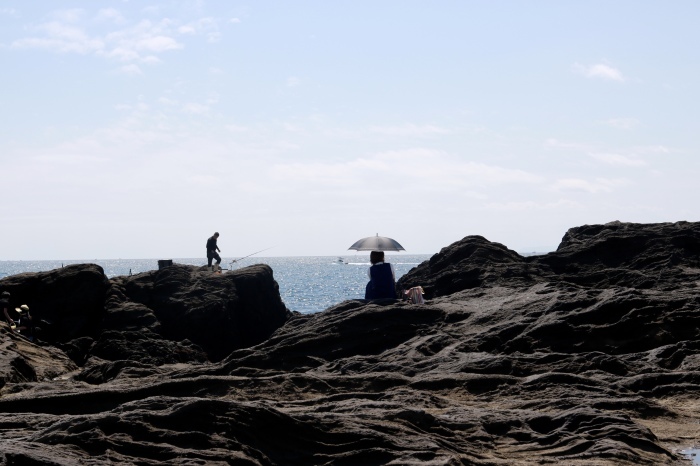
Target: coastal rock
[
  {"x": 663, "y": 255},
  {"x": 176, "y": 314},
  {"x": 470, "y": 263},
  {"x": 23, "y": 362},
  {"x": 566, "y": 358},
  {"x": 66, "y": 303},
  {"x": 217, "y": 312}
]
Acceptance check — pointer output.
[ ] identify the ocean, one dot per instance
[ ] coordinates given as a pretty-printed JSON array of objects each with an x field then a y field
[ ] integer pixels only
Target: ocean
[{"x": 307, "y": 284}]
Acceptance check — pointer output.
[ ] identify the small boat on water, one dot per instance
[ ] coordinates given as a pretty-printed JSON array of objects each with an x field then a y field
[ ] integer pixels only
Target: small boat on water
[{"x": 341, "y": 261}]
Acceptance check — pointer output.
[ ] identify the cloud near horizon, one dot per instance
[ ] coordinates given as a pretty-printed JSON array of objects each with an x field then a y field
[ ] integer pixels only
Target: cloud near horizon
[
  {"x": 410, "y": 130},
  {"x": 622, "y": 123},
  {"x": 420, "y": 169},
  {"x": 618, "y": 159},
  {"x": 596, "y": 186}
]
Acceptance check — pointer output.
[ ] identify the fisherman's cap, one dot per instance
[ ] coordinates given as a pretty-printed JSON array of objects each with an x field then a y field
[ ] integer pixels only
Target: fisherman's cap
[{"x": 22, "y": 308}]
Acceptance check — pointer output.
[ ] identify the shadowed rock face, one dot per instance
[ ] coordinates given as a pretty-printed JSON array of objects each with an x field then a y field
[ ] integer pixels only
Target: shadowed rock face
[
  {"x": 663, "y": 256},
  {"x": 217, "y": 312},
  {"x": 70, "y": 298},
  {"x": 175, "y": 315},
  {"x": 589, "y": 355}
]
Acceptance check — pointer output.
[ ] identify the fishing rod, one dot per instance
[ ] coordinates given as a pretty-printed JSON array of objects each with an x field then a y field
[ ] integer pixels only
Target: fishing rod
[{"x": 263, "y": 250}]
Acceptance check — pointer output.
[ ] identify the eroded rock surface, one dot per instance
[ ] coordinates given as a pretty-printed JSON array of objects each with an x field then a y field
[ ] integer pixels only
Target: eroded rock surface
[{"x": 589, "y": 355}]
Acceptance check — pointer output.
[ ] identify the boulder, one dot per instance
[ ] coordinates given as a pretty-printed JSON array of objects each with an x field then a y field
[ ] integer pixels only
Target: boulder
[
  {"x": 175, "y": 314},
  {"x": 642, "y": 256},
  {"x": 470, "y": 263},
  {"x": 217, "y": 312},
  {"x": 66, "y": 303}
]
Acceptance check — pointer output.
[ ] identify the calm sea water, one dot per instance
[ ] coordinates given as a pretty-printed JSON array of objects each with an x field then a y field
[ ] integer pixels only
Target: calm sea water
[{"x": 307, "y": 284}]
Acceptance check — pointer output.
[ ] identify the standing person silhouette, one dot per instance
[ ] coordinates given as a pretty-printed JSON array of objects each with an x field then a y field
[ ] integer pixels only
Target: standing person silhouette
[{"x": 212, "y": 249}]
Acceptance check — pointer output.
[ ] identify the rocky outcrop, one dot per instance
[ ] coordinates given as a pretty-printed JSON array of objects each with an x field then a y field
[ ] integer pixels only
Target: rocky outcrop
[
  {"x": 661, "y": 256},
  {"x": 570, "y": 358},
  {"x": 179, "y": 314},
  {"x": 22, "y": 362},
  {"x": 68, "y": 301},
  {"x": 216, "y": 312},
  {"x": 472, "y": 262}
]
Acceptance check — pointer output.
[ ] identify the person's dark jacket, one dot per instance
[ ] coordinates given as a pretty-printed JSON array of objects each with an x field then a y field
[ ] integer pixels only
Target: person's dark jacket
[
  {"x": 211, "y": 246},
  {"x": 381, "y": 285}
]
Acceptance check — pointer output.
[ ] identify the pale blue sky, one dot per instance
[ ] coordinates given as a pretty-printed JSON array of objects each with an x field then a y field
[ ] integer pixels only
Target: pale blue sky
[{"x": 136, "y": 129}]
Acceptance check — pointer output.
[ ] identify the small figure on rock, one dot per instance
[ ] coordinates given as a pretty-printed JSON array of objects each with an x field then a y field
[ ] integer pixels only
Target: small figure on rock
[
  {"x": 212, "y": 249},
  {"x": 25, "y": 322},
  {"x": 382, "y": 281},
  {"x": 5, "y": 305}
]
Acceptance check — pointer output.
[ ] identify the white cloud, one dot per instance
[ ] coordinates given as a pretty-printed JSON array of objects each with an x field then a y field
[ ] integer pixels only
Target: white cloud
[
  {"x": 234, "y": 20},
  {"x": 653, "y": 150},
  {"x": 123, "y": 54},
  {"x": 599, "y": 71},
  {"x": 151, "y": 10},
  {"x": 8, "y": 11},
  {"x": 209, "y": 27},
  {"x": 157, "y": 44},
  {"x": 68, "y": 158},
  {"x": 418, "y": 169},
  {"x": 293, "y": 81},
  {"x": 131, "y": 70},
  {"x": 410, "y": 130},
  {"x": 521, "y": 206},
  {"x": 618, "y": 159},
  {"x": 109, "y": 14},
  {"x": 71, "y": 15},
  {"x": 237, "y": 128},
  {"x": 196, "y": 108},
  {"x": 61, "y": 38},
  {"x": 622, "y": 123},
  {"x": 142, "y": 42},
  {"x": 58, "y": 45},
  {"x": 599, "y": 185},
  {"x": 557, "y": 144},
  {"x": 151, "y": 60}
]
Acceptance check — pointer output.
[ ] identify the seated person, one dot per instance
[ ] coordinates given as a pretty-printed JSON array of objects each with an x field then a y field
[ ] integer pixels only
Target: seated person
[
  {"x": 382, "y": 281},
  {"x": 24, "y": 325},
  {"x": 5, "y": 305}
]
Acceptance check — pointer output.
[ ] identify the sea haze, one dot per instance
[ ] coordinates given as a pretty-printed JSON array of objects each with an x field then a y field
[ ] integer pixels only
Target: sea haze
[{"x": 307, "y": 284}]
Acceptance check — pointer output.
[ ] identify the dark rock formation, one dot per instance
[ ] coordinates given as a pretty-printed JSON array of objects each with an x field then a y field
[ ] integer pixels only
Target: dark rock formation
[
  {"x": 663, "y": 256},
  {"x": 472, "y": 262},
  {"x": 216, "y": 312},
  {"x": 69, "y": 300},
  {"x": 589, "y": 355},
  {"x": 173, "y": 315}
]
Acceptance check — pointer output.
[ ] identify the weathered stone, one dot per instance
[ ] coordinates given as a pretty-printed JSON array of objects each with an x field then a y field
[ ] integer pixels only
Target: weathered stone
[{"x": 589, "y": 355}]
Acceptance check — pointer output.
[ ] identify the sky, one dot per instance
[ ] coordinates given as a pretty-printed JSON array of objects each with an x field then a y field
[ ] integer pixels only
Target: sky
[{"x": 136, "y": 129}]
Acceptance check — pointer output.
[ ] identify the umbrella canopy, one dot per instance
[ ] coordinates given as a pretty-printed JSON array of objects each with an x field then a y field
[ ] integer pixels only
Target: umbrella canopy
[{"x": 377, "y": 243}]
